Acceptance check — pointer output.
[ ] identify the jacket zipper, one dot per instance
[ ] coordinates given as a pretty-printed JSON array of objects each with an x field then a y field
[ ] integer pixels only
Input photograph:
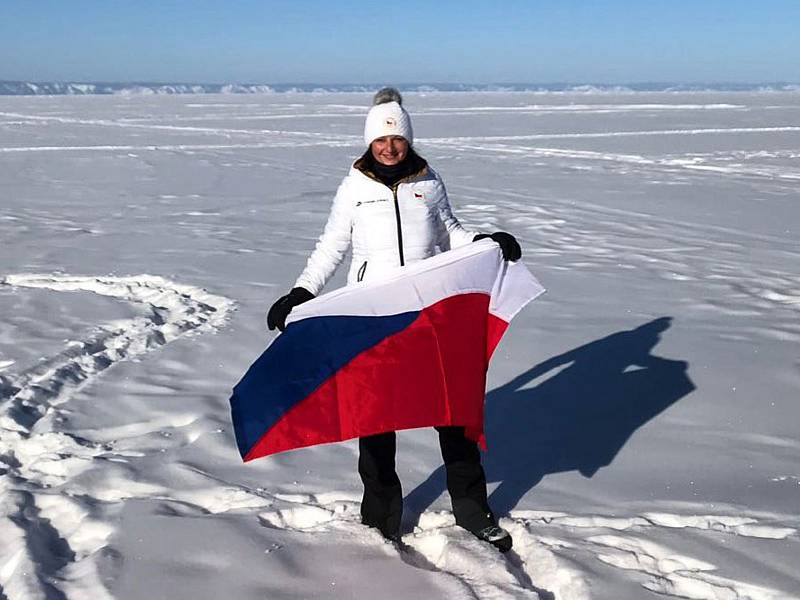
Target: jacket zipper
[
  {"x": 397, "y": 205},
  {"x": 361, "y": 271},
  {"x": 399, "y": 226}
]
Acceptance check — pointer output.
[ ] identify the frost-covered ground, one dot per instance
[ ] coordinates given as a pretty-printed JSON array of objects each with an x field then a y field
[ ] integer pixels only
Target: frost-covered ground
[{"x": 642, "y": 416}]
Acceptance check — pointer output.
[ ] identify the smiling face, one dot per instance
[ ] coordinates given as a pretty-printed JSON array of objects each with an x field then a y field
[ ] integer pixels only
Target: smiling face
[{"x": 389, "y": 150}]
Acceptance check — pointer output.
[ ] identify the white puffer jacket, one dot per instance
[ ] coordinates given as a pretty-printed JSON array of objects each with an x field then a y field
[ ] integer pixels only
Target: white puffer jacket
[{"x": 388, "y": 227}]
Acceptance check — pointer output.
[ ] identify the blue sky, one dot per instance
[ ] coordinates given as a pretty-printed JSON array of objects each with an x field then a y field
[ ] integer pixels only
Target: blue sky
[{"x": 359, "y": 41}]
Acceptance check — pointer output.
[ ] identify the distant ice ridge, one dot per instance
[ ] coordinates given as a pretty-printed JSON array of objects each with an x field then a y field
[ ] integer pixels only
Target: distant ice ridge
[{"x": 25, "y": 88}]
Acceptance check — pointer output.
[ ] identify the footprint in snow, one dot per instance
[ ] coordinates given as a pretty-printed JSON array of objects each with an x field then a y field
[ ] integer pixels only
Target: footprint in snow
[{"x": 545, "y": 547}]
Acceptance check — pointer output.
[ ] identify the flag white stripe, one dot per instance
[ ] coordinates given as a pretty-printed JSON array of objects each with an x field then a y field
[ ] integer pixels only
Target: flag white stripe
[{"x": 476, "y": 267}]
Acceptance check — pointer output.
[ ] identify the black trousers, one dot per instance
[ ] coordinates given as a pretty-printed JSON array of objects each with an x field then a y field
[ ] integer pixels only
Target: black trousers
[{"x": 382, "y": 505}]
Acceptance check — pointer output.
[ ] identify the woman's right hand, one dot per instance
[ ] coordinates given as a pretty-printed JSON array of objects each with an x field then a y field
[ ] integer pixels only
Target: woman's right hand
[{"x": 276, "y": 317}]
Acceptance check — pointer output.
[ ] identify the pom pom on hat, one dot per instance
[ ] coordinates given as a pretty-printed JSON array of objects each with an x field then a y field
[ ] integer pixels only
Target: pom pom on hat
[
  {"x": 387, "y": 94},
  {"x": 388, "y": 117}
]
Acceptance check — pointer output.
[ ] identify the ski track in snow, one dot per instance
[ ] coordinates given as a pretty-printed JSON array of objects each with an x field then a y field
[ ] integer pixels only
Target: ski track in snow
[
  {"x": 183, "y": 129},
  {"x": 360, "y": 111},
  {"x": 174, "y": 147},
  {"x": 722, "y": 163},
  {"x": 49, "y": 539},
  {"x": 730, "y": 163}
]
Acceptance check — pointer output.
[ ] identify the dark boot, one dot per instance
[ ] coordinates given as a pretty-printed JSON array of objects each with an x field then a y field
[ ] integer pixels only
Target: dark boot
[
  {"x": 382, "y": 505},
  {"x": 496, "y": 536},
  {"x": 466, "y": 482}
]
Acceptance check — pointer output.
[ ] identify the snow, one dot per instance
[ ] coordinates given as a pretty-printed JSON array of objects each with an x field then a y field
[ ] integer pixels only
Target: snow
[{"x": 641, "y": 417}]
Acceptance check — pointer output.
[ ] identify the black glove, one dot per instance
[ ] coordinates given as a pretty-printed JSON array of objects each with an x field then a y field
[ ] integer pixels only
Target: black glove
[
  {"x": 508, "y": 244},
  {"x": 276, "y": 317}
]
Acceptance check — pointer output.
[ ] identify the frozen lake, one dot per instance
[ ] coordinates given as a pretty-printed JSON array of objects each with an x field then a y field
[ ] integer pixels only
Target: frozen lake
[{"x": 642, "y": 416}]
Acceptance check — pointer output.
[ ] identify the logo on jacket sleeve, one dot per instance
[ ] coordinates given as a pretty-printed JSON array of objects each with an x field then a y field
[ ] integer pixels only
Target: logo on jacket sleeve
[{"x": 419, "y": 196}]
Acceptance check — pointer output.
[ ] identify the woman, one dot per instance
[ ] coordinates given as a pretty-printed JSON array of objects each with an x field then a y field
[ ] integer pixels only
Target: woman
[{"x": 393, "y": 209}]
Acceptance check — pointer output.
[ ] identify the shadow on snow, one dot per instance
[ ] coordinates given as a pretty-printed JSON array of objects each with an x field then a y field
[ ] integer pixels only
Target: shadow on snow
[{"x": 585, "y": 407}]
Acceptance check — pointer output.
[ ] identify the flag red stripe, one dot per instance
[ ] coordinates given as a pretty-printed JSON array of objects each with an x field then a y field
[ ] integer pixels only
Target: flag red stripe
[
  {"x": 496, "y": 328},
  {"x": 431, "y": 373}
]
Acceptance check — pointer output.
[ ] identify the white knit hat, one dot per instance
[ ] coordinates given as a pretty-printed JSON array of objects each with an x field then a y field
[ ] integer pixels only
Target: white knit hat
[{"x": 388, "y": 117}]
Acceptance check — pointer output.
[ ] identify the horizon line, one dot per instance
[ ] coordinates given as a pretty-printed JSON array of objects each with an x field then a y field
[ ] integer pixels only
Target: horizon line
[{"x": 409, "y": 83}]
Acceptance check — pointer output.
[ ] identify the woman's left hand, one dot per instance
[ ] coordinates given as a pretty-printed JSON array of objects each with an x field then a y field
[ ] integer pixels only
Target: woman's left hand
[{"x": 507, "y": 242}]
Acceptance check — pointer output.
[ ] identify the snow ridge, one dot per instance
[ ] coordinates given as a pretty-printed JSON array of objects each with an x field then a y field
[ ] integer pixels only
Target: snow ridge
[{"x": 27, "y": 88}]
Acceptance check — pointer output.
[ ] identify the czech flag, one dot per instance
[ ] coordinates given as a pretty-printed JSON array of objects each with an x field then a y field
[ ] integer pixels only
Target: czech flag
[{"x": 410, "y": 350}]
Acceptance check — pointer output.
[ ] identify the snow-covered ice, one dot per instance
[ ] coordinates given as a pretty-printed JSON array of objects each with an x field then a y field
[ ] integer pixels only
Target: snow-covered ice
[{"x": 642, "y": 417}]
